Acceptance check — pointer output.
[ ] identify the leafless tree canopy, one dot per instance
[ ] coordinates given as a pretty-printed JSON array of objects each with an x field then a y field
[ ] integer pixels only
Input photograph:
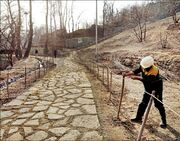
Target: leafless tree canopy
[
  {"x": 139, "y": 17},
  {"x": 61, "y": 23}
]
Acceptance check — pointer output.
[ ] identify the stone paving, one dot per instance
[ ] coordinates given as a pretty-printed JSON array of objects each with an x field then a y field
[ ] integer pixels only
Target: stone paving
[{"x": 60, "y": 107}]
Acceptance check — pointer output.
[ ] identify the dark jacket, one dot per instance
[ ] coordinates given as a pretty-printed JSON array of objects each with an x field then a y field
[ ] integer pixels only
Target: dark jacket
[{"x": 151, "y": 79}]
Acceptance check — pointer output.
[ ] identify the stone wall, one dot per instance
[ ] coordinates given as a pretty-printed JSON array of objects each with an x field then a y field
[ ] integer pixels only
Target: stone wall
[
  {"x": 169, "y": 65},
  {"x": 40, "y": 51}
]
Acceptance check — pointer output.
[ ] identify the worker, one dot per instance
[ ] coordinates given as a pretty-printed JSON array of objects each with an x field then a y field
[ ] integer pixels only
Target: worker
[{"x": 149, "y": 75}]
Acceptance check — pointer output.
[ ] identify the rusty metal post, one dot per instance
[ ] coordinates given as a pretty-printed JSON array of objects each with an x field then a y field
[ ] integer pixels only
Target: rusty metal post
[
  {"x": 94, "y": 68},
  {"x": 110, "y": 86},
  {"x": 97, "y": 71},
  {"x": 103, "y": 75},
  {"x": 35, "y": 74},
  {"x": 25, "y": 77},
  {"x": 45, "y": 66},
  {"x": 7, "y": 83},
  {"x": 39, "y": 71},
  {"x": 145, "y": 117},
  {"x": 90, "y": 67},
  {"x": 44, "y": 69},
  {"x": 108, "y": 78},
  {"x": 120, "y": 100}
]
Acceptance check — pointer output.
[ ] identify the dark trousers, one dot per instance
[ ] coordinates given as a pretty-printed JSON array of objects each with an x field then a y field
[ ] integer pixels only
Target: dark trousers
[{"x": 143, "y": 105}]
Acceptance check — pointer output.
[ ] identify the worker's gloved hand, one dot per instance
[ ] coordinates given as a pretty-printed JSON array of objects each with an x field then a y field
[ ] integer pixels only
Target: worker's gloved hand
[
  {"x": 134, "y": 77},
  {"x": 124, "y": 74}
]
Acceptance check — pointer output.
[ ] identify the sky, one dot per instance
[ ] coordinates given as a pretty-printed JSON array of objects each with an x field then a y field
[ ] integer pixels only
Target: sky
[{"x": 87, "y": 8}]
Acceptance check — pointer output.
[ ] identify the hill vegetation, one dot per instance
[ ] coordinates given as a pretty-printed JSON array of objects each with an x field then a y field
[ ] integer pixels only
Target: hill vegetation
[{"x": 125, "y": 47}]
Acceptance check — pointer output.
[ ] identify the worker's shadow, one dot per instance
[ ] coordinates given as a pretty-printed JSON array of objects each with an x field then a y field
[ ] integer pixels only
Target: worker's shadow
[{"x": 164, "y": 136}]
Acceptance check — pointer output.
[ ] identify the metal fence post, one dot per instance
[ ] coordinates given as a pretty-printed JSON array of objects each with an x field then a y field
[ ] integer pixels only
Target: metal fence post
[
  {"x": 25, "y": 77},
  {"x": 120, "y": 100},
  {"x": 97, "y": 71},
  {"x": 108, "y": 78},
  {"x": 35, "y": 73},
  {"x": 145, "y": 117},
  {"x": 39, "y": 71},
  {"x": 103, "y": 75},
  {"x": 44, "y": 68},
  {"x": 7, "y": 83},
  {"x": 110, "y": 86},
  {"x": 94, "y": 69},
  {"x": 91, "y": 67}
]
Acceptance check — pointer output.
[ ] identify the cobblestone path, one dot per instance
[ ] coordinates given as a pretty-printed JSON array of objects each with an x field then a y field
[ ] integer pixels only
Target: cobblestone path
[{"x": 60, "y": 107}]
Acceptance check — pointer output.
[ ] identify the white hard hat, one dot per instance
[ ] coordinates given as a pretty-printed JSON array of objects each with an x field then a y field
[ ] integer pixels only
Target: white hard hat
[{"x": 147, "y": 61}]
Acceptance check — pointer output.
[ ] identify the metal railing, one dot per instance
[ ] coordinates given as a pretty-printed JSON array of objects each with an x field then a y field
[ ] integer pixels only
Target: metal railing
[{"x": 18, "y": 79}]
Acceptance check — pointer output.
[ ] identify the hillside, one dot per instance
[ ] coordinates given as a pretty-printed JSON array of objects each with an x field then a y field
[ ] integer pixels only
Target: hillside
[
  {"x": 125, "y": 50},
  {"x": 125, "y": 45}
]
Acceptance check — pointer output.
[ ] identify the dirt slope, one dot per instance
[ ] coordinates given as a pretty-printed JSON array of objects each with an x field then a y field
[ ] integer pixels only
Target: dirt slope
[{"x": 125, "y": 49}]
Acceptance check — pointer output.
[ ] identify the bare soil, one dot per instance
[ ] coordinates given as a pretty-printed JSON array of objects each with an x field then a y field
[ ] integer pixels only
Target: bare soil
[
  {"x": 125, "y": 46},
  {"x": 122, "y": 128}
]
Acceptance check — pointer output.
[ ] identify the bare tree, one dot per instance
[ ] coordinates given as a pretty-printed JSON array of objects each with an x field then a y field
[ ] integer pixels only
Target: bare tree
[
  {"x": 55, "y": 26},
  {"x": 18, "y": 32},
  {"x": 12, "y": 24},
  {"x": 38, "y": 32},
  {"x": 104, "y": 15},
  {"x": 60, "y": 7},
  {"x": 108, "y": 16},
  {"x": 7, "y": 27},
  {"x": 8, "y": 32},
  {"x": 46, "y": 42},
  {"x": 53, "y": 37},
  {"x": 72, "y": 16},
  {"x": 139, "y": 15},
  {"x": 78, "y": 20},
  {"x": 65, "y": 14},
  {"x": 54, "y": 15},
  {"x": 30, "y": 31},
  {"x": 173, "y": 11},
  {"x": 6, "y": 44}
]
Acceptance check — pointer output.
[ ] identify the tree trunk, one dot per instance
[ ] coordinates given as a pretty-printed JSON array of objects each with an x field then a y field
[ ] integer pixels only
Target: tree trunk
[
  {"x": 55, "y": 28},
  {"x": 18, "y": 33},
  {"x": 46, "y": 42},
  {"x": 30, "y": 32},
  {"x": 12, "y": 27}
]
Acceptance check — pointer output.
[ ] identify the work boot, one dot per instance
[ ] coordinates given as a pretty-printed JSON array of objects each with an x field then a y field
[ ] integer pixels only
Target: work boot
[
  {"x": 163, "y": 117},
  {"x": 163, "y": 125},
  {"x": 137, "y": 120},
  {"x": 140, "y": 113}
]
